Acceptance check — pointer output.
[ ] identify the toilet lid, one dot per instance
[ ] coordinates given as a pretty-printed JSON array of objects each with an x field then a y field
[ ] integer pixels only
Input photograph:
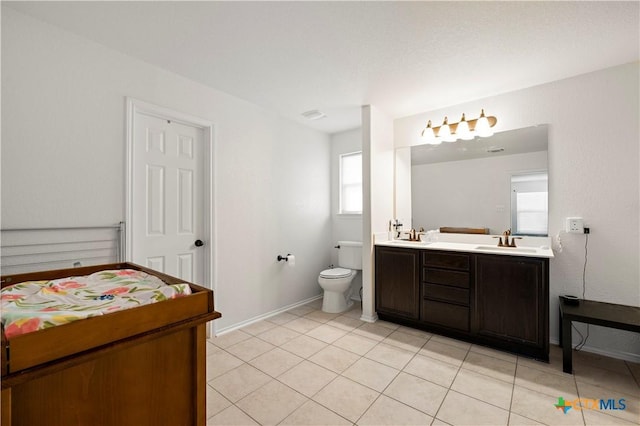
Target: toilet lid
[{"x": 335, "y": 273}]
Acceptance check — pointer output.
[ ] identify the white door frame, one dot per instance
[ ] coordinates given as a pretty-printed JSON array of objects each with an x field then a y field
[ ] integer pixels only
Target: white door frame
[{"x": 135, "y": 106}]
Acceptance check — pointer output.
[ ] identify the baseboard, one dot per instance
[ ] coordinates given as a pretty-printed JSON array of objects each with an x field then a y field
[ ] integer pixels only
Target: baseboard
[
  {"x": 265, "y": 316},
  {"x": 369, "y": 318},
  {"x": 626, "y": 356}
]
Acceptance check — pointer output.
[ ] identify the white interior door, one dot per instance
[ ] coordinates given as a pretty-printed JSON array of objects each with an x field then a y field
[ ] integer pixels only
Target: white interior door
[{"x": 167, "y": 200}]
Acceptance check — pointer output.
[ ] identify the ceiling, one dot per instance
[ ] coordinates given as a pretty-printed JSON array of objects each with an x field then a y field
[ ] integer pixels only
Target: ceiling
[{"x": 402, "y": 57}]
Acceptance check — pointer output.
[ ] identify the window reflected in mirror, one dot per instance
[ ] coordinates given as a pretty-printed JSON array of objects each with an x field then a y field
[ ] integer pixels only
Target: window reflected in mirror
[{"x": 529, "y": 203}]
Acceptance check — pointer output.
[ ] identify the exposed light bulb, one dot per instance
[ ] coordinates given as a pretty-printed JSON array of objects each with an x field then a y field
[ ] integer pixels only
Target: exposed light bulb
[
  {"x": 463, "y": 131},
  {"x": 483, "y": 128},
  {"x": 436, "y": 141},
  {"x": 445, "y": 132},
  {"x": 428, "y": 136}
]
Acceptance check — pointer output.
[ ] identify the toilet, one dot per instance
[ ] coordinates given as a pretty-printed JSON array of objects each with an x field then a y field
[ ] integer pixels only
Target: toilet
[{"x": 336, "y": 282}]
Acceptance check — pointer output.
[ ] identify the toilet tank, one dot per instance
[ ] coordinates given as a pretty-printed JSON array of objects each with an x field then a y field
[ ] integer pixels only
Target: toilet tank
[{"x": 350, "y": 254}]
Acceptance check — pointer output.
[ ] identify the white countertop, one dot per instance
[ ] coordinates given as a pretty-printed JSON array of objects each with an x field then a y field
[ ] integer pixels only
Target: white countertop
[{"x": 473, "y": 247}]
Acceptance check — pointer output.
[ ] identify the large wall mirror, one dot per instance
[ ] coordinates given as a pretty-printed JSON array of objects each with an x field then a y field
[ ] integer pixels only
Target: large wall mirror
[{"x": 495, "y": 183}]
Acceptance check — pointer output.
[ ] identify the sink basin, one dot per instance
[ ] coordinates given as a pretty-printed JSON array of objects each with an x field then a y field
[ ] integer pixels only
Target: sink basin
[{"x": 508, "y": 249}]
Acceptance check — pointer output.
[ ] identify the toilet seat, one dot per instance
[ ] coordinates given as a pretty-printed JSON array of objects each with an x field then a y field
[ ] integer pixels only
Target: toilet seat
[{"x": 335, "y": 273}]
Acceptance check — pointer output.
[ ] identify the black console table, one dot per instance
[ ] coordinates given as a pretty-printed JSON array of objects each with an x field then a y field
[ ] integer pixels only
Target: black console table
[{"x": 598, "y": 313}]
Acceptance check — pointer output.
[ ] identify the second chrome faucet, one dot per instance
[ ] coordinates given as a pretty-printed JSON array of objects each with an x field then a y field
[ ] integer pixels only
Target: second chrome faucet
[{"x": 506, "y": 234}]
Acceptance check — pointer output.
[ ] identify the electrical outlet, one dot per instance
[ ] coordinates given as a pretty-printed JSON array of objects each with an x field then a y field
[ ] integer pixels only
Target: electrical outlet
[{"x": 575, "y": 225}]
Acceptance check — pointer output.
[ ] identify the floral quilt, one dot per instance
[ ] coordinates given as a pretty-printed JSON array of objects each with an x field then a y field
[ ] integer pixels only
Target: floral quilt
[{"x": 35, "y": 305}]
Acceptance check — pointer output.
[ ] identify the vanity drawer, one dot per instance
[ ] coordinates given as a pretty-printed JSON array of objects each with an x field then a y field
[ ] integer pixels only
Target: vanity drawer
[
  {"x": 444, "y": 276},
  {"x": 445, "y": 260},
  {"x": 445, "y": 293},
  {"x": 445, "y": 314}
]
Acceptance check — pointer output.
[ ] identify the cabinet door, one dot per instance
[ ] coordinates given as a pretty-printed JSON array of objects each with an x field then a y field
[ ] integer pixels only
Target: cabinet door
[
  {"x": 510, "y": 299},
  {"x": 397, "y": 281}
]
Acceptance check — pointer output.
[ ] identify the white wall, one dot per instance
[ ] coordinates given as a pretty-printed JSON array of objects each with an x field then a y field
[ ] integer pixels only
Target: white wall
[
  {"x": 594, "y": 157},
  {"x": 344, "y": 227},
  {"x": 63, "y": 151},
  {"x": 378, "y": 194},
  {"x": 471, "y": 193}
]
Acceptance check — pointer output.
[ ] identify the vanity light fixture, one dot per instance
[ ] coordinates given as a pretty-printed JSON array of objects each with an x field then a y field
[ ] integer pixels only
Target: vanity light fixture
[
  {"x": 445, "y": 133},
  {"x": 429, "y": 136},
  {"x": 483, "y": 126},
  {"x": 465, "y": 129}
]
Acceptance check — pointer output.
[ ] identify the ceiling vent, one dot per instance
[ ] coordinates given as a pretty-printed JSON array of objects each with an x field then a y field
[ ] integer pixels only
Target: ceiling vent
[{"x": 314, "y": 114}]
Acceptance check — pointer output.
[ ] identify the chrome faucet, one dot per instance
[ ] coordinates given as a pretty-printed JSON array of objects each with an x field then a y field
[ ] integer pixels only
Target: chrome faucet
[
  {"x": 506, "y": 234},
  {"x": 415, "y": 235},
  {"x": 513, "y": 241},
  {"x": 396, "y": 227}
]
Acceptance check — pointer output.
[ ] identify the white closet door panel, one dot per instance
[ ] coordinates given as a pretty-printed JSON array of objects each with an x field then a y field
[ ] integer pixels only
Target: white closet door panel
[{"x": 168, "y": 196}]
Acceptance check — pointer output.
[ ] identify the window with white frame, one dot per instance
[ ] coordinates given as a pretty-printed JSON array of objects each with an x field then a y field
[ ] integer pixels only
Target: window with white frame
[
  {"x": 529, "y": 203},
  {"x": 351, "y": 183}
]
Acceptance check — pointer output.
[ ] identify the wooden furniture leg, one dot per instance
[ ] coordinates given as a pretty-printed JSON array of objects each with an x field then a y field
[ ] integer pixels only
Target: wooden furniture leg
[{"x": 565, "y": 341}]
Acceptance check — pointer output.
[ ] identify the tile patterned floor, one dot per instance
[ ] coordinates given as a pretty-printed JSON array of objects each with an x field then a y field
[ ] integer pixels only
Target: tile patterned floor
[{"x": 307, "y": 367}]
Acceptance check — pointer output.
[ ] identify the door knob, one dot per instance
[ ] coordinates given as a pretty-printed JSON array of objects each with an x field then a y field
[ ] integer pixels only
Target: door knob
[{"x": 199, "y": 243}]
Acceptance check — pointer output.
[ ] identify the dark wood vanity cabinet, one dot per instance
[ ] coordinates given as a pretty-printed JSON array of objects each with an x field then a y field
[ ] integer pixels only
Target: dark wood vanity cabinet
[
  {"x": 496, "y": 300},
  {"x": 512, "y": 302},
  {"x": 445, "y": 282},
  {"x": 397, "y": 282}
]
